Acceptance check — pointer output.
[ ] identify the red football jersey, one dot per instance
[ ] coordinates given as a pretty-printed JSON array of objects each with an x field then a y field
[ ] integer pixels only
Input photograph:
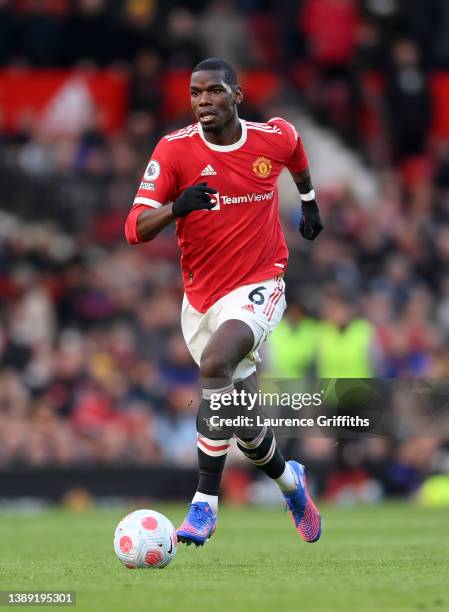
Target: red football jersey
[{"x": 240, "y": 241}]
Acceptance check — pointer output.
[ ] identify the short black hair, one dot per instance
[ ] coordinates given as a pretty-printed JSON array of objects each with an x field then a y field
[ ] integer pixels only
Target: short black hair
[{"x": 215, "y": 63}]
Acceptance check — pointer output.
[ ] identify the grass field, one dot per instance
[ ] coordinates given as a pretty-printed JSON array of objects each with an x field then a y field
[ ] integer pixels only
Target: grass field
[{"x": 378, "y": 558}]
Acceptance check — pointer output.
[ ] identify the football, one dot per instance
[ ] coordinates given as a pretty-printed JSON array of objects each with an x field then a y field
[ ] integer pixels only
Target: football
[{"x": 145, "y": 539}]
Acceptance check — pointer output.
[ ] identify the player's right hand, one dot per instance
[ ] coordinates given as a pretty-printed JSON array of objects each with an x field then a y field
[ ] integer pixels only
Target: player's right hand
[{"x": 193, "y": 198}]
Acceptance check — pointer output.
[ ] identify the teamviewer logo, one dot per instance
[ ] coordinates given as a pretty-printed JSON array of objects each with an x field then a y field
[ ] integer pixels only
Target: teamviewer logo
[{"x": 215, "y": 199}]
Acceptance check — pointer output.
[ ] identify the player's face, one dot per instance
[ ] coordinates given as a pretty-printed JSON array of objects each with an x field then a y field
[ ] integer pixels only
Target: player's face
[{"x": 214, "y": 101}]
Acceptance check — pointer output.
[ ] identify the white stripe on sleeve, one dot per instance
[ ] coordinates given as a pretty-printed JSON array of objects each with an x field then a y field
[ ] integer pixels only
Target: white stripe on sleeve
[{"x": 147, "y": 202}]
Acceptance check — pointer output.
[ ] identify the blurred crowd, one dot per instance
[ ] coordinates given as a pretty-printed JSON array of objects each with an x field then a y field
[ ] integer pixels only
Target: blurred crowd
[
  {"x": 357, "y": 65},
  {"x": 93, "y": 368}
]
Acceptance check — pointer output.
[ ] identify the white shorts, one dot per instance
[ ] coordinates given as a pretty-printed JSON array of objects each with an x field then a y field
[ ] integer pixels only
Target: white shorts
[{"x": 260, "y": 305}]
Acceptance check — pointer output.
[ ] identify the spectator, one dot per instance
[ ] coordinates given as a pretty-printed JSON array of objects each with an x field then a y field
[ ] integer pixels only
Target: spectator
[
  {"x": 330, "y": 27},
  {"x": 223, "y": 33},
  {"x": 293, "y": 344},
  {"x": 182, "y": 45},
  {"x": 138, "y": 29},
  {"x": 346, "y": 345},
  {"x": 408, "y": 97},
  {"x": 330, "y": 30},
  {"x": 89, "y": 34},
  {"x": 146, "y": 94},
  {"x": 41, "y": 36},
  {"x": 9, "y": 33}
]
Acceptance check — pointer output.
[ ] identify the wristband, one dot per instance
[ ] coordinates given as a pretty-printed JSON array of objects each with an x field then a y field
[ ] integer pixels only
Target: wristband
[{"x": 308, "y": 197}]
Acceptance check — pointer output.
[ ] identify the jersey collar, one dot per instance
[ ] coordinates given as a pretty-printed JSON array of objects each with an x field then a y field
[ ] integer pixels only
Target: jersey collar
[{"x": 225, "y": 148}]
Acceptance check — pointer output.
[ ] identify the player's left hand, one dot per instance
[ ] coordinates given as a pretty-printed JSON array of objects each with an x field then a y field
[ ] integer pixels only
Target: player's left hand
[{"x": 310, "y": 225}]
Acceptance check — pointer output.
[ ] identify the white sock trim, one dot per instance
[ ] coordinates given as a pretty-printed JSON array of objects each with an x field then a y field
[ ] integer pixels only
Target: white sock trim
[
  {"x": 213, "y": 448},
  {"x": 257, "y": 441},
  {"x": 267, "y": 457},
  {"x": 212, "y": 500},
  {"x": 287, "y": 480}
]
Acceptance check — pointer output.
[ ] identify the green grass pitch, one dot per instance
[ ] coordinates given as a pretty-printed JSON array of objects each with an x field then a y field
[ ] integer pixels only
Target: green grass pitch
[{"x": 381, "y": 558}]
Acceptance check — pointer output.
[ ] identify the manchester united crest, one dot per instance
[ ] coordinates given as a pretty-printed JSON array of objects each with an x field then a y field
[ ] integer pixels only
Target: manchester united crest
[{"x": 262, "y": 167}]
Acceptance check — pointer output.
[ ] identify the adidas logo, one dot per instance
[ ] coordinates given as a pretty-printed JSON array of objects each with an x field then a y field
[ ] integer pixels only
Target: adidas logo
[
  {"x": 249, "y": 307},
  {"x": 208, "y": 171}
]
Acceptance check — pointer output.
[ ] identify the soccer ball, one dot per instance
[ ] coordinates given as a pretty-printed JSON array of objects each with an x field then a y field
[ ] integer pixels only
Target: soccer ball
[{"x": 145, "y": 538}]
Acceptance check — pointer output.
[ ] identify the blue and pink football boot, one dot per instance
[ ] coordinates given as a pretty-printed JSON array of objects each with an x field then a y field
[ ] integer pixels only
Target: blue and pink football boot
[
  {"x": 199, "y": 524},
  {"x": 305, "y": 516}
]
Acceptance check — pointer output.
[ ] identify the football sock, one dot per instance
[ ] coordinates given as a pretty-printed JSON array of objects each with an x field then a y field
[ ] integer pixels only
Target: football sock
[
  {"x": 263, "y": 451},
  {"x": 211, "y": 451},
  {"x": 212, "y": 500},
  {"x": 287, "y": 480}
]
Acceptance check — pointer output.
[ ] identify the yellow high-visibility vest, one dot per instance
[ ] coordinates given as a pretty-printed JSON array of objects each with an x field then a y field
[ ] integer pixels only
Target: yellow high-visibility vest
[
  {"x": 344, "y": 353},
  {"x": 293, "y": 348}
]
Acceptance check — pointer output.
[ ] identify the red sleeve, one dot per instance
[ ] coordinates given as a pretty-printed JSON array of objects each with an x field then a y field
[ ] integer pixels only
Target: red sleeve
[
  {"x": 159, "y": 182},
  {"x": 296, "y": 158},
  {"x": 131, "y": 233}
]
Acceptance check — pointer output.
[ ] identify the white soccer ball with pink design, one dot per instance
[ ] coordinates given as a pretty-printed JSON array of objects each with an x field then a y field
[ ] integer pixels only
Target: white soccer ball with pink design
[{"x": 145, "y": 539}]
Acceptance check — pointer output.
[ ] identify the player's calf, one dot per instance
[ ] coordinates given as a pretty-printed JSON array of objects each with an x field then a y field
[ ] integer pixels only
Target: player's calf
[
  {"x": 262, "y": 450},
  {"x": 212, "y": 447}
]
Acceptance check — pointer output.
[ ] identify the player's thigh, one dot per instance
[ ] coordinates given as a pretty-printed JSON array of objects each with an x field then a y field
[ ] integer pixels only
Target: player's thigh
[
  {"x": 259, "y": 305},
  {"x": 227, "y": 346},
  {"x": 197, "y": 328}
]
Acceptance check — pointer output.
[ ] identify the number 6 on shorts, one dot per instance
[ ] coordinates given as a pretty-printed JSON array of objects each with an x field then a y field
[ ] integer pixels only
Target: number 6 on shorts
[{"x": 256, "y": 296}]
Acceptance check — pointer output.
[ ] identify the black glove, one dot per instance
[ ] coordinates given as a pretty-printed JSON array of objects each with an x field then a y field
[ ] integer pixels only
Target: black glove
[
  {"x": 310, "y": 225},
  {"x": 193, "y": 198}
]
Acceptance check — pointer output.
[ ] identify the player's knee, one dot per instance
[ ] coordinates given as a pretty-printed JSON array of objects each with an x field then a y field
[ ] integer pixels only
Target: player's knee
[{"x": 215, "y": 366}]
